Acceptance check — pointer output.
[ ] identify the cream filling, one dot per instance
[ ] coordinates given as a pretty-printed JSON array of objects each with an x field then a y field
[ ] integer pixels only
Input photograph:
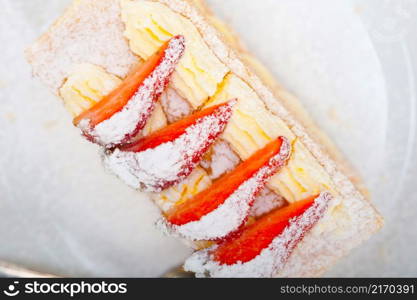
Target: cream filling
[
  {"x": 220, "y": 160},
  {"x": 149, "y": 24},
  {"x": 198, "y": 181},
  {"x": 252, "y": 126}
]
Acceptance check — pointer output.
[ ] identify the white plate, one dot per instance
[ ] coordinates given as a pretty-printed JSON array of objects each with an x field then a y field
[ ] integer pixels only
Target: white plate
[{"x": 349, "y": 63}]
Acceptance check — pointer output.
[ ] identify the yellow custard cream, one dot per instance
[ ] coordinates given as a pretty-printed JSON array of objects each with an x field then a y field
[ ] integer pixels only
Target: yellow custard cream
[
  {"x": 149, "y": 24},
  {"x": 189, "y": 187}
]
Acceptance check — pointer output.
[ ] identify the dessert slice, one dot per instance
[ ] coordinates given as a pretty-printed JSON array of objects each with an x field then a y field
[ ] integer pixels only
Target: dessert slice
[
  {"x": 262, "y": 248},
  {"x": 221, "y": 209},
  {"x": 120, "y": 115},
  {"x": 210, "y": 73},
  {"x": 168, "y": 155}
]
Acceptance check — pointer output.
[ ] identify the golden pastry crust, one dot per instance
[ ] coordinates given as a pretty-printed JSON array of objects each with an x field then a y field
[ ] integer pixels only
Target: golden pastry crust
[{"x": 351, "y": 219}]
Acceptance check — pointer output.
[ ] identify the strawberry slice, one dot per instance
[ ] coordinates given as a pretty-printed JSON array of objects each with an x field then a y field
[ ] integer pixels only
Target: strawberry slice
[
  {"x": 167, "y": 156},
  {"x": 256, "y": 237},
  {"x": 123, "y": 113},
  {"x": 262, "y": 248},
  {"x": 172, "y": 131},
  {"x": 221, "y": 209}
]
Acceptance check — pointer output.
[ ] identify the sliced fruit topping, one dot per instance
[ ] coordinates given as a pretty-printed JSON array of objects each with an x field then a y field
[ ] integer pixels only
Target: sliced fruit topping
[
  {"x": 175, "y": 130},
  {"x": 168, "y": 155},
  {"x": 123, "y": 113},
  {"x": 262, "y": 248},
  {"x": 256, "y": 237},
  {"x": 221, "y": 209}
]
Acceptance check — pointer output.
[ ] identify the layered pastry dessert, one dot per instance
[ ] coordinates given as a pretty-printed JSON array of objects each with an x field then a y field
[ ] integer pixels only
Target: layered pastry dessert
[{"x": 178, "y": 108}]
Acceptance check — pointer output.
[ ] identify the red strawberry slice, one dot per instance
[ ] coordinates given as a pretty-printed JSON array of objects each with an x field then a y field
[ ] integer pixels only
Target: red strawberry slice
[
  {"x": 262, "y": 248},
  {"x": 168, "y": 155},
  {"x": 258, "y": 236},
  {"x": 221, "y": 209},
  {"x": 123, "y": 113},
  {"x": 174, "y": 130}
]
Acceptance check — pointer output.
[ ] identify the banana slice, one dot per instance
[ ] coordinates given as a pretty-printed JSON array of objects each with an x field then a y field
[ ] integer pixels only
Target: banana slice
[
  {"x": 86, "y": 85},
  {"x": 157, "y": 120}
]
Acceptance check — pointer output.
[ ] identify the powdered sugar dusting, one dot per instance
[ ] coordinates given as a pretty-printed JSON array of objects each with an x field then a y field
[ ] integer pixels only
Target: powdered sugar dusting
[
  {"x": 220, "y": 160},
  {"x": 125, "y": 124},
  {"x": 272, "y": 259},
  {"x": 175, "y": 106},
  {"x": 266, "y": 201},
  {"x": 158, "y": 168},
  {"x": 82, "y": 35},
  {"x": 230, "y": 215}
]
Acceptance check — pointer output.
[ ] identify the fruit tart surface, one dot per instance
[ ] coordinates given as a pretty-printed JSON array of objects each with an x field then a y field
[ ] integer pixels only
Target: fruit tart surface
[{"x": 177, "y": 113}]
